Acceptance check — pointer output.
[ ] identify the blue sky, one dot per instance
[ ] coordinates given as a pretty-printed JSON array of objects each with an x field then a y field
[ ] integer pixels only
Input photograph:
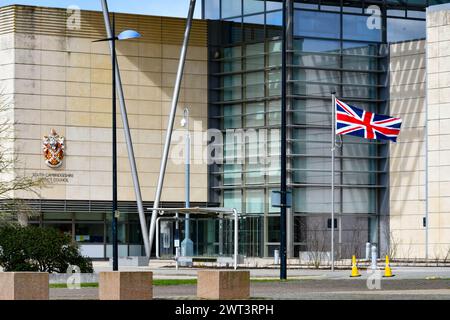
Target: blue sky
[{"x": 171, "y": 8}]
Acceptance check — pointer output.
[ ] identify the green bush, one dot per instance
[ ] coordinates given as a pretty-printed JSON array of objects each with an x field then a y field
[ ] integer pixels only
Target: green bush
[{"x": 39, "y": 249}]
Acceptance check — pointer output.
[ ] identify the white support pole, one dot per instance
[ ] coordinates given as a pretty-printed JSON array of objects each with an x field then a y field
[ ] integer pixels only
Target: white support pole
[
  {"x": 236, "y": 238},
  {"x": 129, "y": 143},
  {"x": 173, "y": 111},
  {"x": 427, "y": 191},
  {"x": 333, "y": 143}
]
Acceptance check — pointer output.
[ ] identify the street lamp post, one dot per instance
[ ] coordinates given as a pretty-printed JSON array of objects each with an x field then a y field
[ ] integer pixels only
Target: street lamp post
[
  {"x": 187, "y": 246},
  {"x": 124, "y": 35},
  {"x": 283, "y": 174}
]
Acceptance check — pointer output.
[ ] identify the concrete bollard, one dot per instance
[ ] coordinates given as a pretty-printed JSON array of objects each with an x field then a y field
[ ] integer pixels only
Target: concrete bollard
[
  {"x": 223, "y": 284},
  {"x": 24, "y": 286},
  {"x": 117, "y": 285}
]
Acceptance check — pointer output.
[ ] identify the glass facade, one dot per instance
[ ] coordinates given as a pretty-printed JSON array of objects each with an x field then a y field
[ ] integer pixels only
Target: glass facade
[
  {"x": 92, "y": 231},
  {"x": 333, "y": 46}
]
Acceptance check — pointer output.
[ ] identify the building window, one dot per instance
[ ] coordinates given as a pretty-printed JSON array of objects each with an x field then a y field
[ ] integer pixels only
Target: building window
[
  {"x": 317, "y": 24},
  {"x": 253, "y": 6},
  {"x": 329, "y": 224},
  {"x": 232, "y": 199},
  {"x": 403, "y": 29},
  {"x": 254, "y": 200},
  {"x": 231, "y": 8}
]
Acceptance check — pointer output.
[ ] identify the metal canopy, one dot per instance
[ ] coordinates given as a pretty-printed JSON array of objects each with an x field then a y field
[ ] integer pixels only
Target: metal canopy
[
  {"x": 205, "y": 211},
  {"x": 196, "y": 210}
]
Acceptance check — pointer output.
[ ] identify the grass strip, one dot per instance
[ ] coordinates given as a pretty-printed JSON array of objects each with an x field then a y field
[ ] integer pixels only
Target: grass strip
[{"x": 165, "y": 282}]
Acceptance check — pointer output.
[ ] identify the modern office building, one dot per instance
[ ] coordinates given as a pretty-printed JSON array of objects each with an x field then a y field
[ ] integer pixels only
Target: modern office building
[
  {"x": 389, "y": 57},
  {"x": 56, "y": 78}
]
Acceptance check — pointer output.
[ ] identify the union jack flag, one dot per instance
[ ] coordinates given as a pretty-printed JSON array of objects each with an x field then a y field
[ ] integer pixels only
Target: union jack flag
[{"x": 360, "y": 123}]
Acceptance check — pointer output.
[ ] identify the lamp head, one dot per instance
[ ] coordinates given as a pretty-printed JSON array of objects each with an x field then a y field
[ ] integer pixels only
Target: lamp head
[
  {"x": 183, "y": 122},
  {"x": 128, "y": 34}
]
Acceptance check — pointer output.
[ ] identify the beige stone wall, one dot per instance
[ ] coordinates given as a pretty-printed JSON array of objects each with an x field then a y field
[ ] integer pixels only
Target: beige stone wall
[
  {"x": 410, "y": 66},
  {"x": 407, "y": 156},
  {"x": 63, "y": 81},
  {"x": 438, "y": 97},
  {"x": 6, "y": 106}
]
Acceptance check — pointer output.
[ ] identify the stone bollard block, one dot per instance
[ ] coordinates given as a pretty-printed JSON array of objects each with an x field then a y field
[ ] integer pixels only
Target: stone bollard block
[
  {"x": 223, "y": 284},
  {"x": 117, "y": 285},
  {"x": 24, "y": 286}
]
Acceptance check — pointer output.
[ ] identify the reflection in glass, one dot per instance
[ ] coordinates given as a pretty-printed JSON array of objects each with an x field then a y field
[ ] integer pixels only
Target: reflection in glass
[
  {"x": 253, "y": 6},
  {"x": 255, "y": 56},
  {"x": 93, "y": 233},
  {"x": 232, "y": 116},
  {"x": 232, "y": 199},
  {"x": 231, "y": 8},
  {"x": 254, "y": 82},
  {"x": 317, "y": 45},
  {"x": 254, "y": 174},
  {"x": 274, "y": 19},
  {"x": 254, "y": 114},
  {"x": 360, "y": 48},
  {"x": 273, "y": 229},
  {"x": 232, "y": 174},
  {"x": 212, "y": 9},
  {"x": 274, "y": 82},
  {"x": 316, "y": 24},
  {"x": 356, "y": 28},
  {"x": 402, "y": 29},
  {"x": 273, "y": 5},
  {"x": 254, "y": 28}
]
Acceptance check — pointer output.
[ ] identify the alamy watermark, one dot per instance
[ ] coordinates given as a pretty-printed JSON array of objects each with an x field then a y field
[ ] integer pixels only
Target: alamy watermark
[
  {"x": 73, "y": 17},
  {"x": 374, "y": 21},
  {"x": 74, "y": 279},
  {"x": 231, "y": 146},
  {"x": 374, "y": 279}
]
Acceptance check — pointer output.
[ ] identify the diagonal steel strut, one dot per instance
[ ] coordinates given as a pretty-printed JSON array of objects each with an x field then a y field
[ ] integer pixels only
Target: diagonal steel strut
[
  {"x": 173, "y": 111},
  {"x": 129, "y": 143}
]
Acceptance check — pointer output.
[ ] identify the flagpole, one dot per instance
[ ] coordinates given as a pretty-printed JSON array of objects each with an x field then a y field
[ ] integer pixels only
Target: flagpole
[{"x": 333, "y": 143}]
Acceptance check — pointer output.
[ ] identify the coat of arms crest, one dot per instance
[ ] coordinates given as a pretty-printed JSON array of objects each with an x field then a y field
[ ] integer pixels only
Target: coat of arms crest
[{"x": 53, "y": 147}]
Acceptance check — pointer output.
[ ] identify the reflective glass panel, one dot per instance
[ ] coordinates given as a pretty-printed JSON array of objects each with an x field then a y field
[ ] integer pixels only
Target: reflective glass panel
[
  {"x": 358, "y": 200},
  {"x": 254, "y": 114},
  {"x": 255, "y": 19},
  {"x": 274, "y": 114},
  {"x": 254, "y": 175},
  {"x": 274, "y": 82},
  {"x": 273, "y": 229},
  {"x": 403, "y": 29},
  {"x": 232, "y": 174},
  {"x": 231, "y": 8},
  {"x": 232, "y": 116},
  {"x": 93, "y": 233},
  {"x": 274, "y": 18},
  {"x": 273, "y": 5},
  {"x": 316, "y": 45},
  {"x": 360, "y": 48},
  {"x": 313, "y": 199},
  {"x": 255, "y": 56},
  {"x": 359, "y": 28},
  {"x": 232, "y": 199},
  {"x": 212, "y": 9},
  {"x": 254, "y": 201},
  {"x": 254, "y": 85},
  {"x": 316, "y": 24},
  {"x": 253, "y": 6}
]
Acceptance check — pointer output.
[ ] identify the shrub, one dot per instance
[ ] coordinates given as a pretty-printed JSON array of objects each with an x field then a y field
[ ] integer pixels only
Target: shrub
[{"x": 39, "y": 249}]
